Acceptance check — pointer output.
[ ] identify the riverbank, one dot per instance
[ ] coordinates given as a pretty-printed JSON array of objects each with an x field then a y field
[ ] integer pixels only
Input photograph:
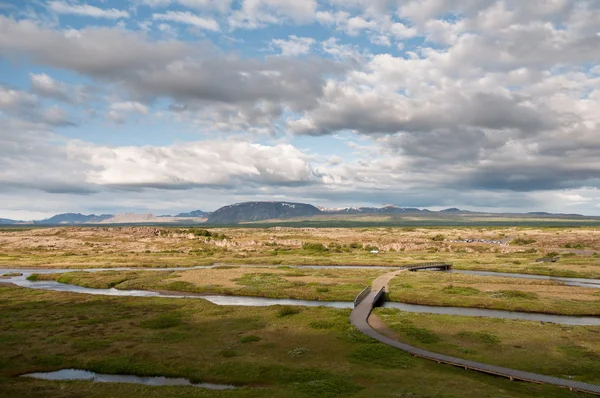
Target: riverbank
[{"x": 267, "y": 351}]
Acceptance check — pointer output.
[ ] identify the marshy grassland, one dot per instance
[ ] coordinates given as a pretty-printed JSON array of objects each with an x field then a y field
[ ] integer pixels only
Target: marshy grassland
[
  {"x": 266, "y": 351},
  {"x": 85, "y": 247},
  {"x": 282, "y": 351},
  {"x": 459, "y": 290},
  {"x": 550, "y": 349},
  {"x": 280, "y": 282}
]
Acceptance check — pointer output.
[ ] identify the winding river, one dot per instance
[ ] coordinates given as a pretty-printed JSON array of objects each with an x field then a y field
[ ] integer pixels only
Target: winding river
[{"x": 263, "y": 301}]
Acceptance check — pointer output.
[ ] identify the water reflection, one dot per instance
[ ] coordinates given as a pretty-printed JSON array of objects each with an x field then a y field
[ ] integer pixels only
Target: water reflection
[{"x": 77, "y": 374}]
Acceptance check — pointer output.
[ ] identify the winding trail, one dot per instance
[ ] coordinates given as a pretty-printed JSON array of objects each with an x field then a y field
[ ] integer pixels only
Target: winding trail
[{"x": 360, "y": 319}]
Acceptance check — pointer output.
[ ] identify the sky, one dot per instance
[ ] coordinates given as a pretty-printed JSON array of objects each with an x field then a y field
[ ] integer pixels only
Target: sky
[{"x": 165, "y": 106}]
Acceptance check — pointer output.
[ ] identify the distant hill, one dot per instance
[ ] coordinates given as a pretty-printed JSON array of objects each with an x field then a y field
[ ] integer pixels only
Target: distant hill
[
  {"x": 74, "y": 218},
  {"x": 6, "y": 221},
  {"x": 451, "y": 210},
  {"x": 195, "y": 213},
  {"x": 388, "y": 209},
  {"x": 544, "y": 214},
  {"x": 258, "y": 211}
]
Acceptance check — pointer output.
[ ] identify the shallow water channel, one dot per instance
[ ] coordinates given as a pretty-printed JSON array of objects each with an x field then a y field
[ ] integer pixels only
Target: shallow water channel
[
  {"x": 580, "y": 282},
  {"x": 263, "y": 301},
  {"x": 77, "y": 374}
]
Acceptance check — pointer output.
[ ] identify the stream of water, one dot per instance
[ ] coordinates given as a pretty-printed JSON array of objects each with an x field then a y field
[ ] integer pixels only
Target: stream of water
[{"x": 263, "y": 301}]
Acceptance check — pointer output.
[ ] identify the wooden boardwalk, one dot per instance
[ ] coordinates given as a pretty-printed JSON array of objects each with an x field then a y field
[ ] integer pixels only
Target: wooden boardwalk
[
  {"x": 360, "y": 315},
  {"x": 423, "y": 266}
]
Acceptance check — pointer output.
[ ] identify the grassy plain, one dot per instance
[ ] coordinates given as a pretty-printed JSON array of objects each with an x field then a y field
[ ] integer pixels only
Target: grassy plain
[
  {"x": 280, "y": 282},
  {"x": 294, "y": 351},
  {"x": 267, "y": 351},
  {"x": 74, "y": 247},
  {"x": 557, "y": 350},
  {"x": 458, "y": 290}
]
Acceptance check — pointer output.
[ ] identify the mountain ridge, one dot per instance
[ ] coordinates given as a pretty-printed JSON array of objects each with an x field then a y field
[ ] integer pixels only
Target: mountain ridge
[{"x": 257, "y": 211}]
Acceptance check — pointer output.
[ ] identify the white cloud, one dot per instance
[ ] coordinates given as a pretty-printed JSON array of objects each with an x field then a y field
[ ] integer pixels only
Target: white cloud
[
  {"x": 63, "y": 7},
  {"x": 45, "y": 86},
  {"x": 259, "y": 13},
  {"x": 186, "y": 17},
  {"x": 218, "y": 5},
  {"x": 129, "y": 106},
  {"x": 215, "y": 163},
  {"x": 118, "y": 110},
  {"x": 294, "y": 46},
  {"x": 56, "y": 116}
]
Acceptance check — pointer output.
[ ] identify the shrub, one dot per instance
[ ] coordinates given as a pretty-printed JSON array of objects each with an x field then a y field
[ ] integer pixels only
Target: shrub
[
  {"x": 321, "y": 289},
  {"x": 315, "y": 247},
  {"x": 287, "y": 311},
  {"x": 330, "y": 387},
  {"x": 228, "y": 353},
  {"x": 522, "y": 241},
  {"x": 480, "y": 337},
  {"x": 381, "y": 355},
  {"x": 163, "y": 321},
  {"x": 419, "y": 334},
  {"x": 461, "y": 290},
  {"x": 438, "y": 238},
  {"x": 575, "y": 245},
  {"x": 322, "y": 324},
  {"x": 249, "y": 339},
  {"x": 33, "y": 277},
  {"x": 514, "y": 294},
  {"x": 297, "y": 352}
]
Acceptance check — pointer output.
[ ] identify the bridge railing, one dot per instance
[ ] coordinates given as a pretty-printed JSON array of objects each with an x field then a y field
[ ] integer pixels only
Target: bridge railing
[
  {"x": 430, "y": 264},
  {"x": 361, "y": 296},
  {"x": 379, "y": 295}
]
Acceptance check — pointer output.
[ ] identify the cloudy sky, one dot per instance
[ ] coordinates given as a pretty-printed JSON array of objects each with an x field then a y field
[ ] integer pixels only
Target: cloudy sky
[{"x": 173, "y": 105}]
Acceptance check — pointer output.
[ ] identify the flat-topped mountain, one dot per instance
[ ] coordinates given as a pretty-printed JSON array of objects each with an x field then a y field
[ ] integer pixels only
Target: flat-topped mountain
[
  {"x": 387, "y": 209},
  {"x": 262, "y": 211},
  {"x": 258, "y": 211},
  {"x": 195, "y": 213},
  {"x": 74, "y": 218}
]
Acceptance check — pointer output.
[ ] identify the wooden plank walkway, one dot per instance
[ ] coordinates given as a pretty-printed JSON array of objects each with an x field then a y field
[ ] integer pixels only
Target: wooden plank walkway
[{"x": 360, "y": 315}]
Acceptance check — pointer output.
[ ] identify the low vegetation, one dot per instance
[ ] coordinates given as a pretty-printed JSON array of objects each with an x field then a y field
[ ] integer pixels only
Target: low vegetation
[
  {"x": 562, "y": 351},
  {"x": 47, "y": 331},
  {"x": 284, "y": 282},
  {"x": 460, "y": 290}
]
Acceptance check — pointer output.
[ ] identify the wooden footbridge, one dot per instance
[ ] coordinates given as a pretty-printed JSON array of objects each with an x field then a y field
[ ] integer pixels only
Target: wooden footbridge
[
  {"x": 365, "y": 302},
  {"x": 429, "y": 266}
]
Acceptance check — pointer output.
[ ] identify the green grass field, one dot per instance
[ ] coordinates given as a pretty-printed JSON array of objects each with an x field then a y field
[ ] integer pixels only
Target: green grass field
[{"x": 272, "y": 351}]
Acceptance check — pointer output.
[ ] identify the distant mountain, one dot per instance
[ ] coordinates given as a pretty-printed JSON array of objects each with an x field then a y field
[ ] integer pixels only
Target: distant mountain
[
  {"x": 6, "y": 221},
  {"x": 544, "y": 214},
  {"x": 74, "y": 218},
  {"x": 195, "y": 213},
  {"x": 387, "y": 209},
  {"x": 258, "y": 211},
  {"x": 451, "y": 210}
]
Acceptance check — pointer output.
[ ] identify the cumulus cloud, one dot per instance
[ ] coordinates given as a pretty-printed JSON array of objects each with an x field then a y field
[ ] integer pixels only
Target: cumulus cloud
[
  {"x": 294, "y": 46},
  {"x": 207, "y": 163},
  {"x": 63, "y": 7},
  {"x": 190, "y": 75},
  {"x": 45, "y": 86},
  {"x": 495, "y": 104},
  {"x": 255, "y": 14},
  {"x": 25, "y": 106},
  {"x": 118, "y": 111},
  {"x": 218, "y": 5},
  {"x": 186, "y": 17},
  {"x": 80, "y": 167}
]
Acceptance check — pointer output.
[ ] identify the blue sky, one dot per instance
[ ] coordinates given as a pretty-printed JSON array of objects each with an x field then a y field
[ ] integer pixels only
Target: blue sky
[{"x": 173, "y": 105}]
